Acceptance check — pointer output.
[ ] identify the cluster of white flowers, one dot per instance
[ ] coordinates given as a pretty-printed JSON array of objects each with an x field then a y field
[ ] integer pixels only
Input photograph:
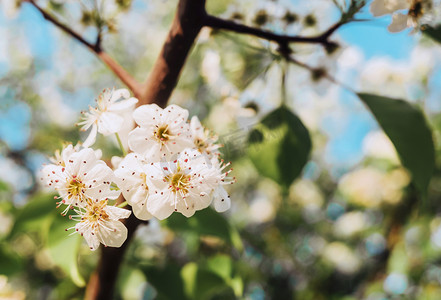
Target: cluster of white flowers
[
  {"x": 174, "y": 166},
  {"x": 405, "y": 13}
]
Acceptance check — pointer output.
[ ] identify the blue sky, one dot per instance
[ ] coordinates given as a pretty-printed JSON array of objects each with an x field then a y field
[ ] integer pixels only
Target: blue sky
[
  {"x": 374, "y": 39},
  {"x": 371, "y": 37}
]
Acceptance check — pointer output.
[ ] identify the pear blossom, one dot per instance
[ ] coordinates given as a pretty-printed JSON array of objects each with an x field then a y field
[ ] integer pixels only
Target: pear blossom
[
  {"x": 133, "y": 181},
  {"x": 175, "y": 166},
  {"x": 10, "y": 8},
  {"x": 99, "y": 222},
  {"x": 162, "y": 132},
  {"x": 82, "y": 177},
  {"x": 60, "y": 158},
  {"x": 186, "y": 185},
  {"x": 418, "y": 11},
  {"x": 202, "y": 139},
  {"x": 108, "y": 117}
]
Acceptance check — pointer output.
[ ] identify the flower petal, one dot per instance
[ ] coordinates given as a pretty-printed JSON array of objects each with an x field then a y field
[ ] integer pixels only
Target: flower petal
[
  {"x": 139, "y": 141},
  {"x": 123, "y": 105},
  {"x": 146, "y": 115},
  {"x": 221, "y": 200},
  {"x": 113, "y": 234},
  {"x": 116, "y": 213},
  {"x": 138, "y": 201},
  {"x": 399, "y": 23},
  {"x": 175, "y": 113},
  {"x": 160, "y": 206},
  {"x": 87, "y": 233},
  {"x": 118, "y": 94},
  {"x": 378, "y": 8},
  {"x": 109, "y": 123},
  {"x": 91, "y": 138}
]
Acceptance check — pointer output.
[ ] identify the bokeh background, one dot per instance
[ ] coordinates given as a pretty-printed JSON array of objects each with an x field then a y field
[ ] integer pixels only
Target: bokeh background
[{"x": 325, "y": 236}]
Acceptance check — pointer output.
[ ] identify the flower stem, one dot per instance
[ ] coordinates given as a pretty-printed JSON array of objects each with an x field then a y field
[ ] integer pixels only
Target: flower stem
[
  {"x": 120, "y": 144},
  {"x": 124, "y": 204},
  {"x": 283, "y": 83}
]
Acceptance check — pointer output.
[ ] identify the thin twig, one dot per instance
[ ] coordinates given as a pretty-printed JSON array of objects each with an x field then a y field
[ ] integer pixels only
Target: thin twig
[
  {"x": 218, "y": 23},
  {"x": 119, "y": 71},
  {"x": 324, "y": 74},
  {"x": 63, "y": 27}
]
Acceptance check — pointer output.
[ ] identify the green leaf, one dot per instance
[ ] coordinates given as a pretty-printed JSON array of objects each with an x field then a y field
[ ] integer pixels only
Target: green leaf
[
  {"x": 398, "y": 261},
  {"x": 63, "y": 248},
  {"x": 206, "y": 222},
  {"x": 166, "y": 280},
  {"x": 10, "y": 262},
  {"x": 201, "y": 283},
  {"x": 36, "y": 215},
  {"x": 433, "y": 32},
  {"x": 4, "y": 187},
  {"x": 408, "y": 130},
  {"x": 222, "y": 265},
  {"x": 279, "y": 147},
  {"x": 129, "y": 281}
]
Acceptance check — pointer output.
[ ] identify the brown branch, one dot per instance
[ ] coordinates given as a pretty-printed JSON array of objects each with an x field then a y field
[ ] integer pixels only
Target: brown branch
[
  {"x": 281, "y": 39},
  {"x": 320, "y": 73},
  {"x": 117, "y": 69},
  {"x": 188, "y": 21},
  {"x": 102, "y": 282},
  {"x": 158, "y": 88}
]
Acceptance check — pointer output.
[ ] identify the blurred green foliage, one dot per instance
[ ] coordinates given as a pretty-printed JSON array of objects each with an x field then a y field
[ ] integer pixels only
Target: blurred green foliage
[{"x": 296, "y": 229}]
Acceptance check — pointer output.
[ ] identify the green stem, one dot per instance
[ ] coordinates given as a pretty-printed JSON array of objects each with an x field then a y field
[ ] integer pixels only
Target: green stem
[
  {"x": 120, "y": 144},
  {"x": 284, "y": 68},
  {"x": 124, "y": 204}
]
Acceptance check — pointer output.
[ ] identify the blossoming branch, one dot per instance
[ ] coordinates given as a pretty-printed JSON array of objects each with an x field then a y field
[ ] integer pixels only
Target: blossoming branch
[{"x": 173, "y": 165}]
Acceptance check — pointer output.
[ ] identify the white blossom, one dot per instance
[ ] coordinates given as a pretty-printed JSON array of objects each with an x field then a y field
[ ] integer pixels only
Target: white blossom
[
  {"x": 82, "y": 177},
  {"x": 418, "y": 12},
  {"x": 203, "y": 141},
  {"x": 99, "y": 222},
  {"x": 108, "y": 117},
  {"x": 383, "y": 7},
  {"x": 162, "y": 132},
  {"x": 134, "y": 184},
  {"x": 10, "y": 8},
  {"x": 186, "y": 185},
  {"x": 60, "y": 157}
]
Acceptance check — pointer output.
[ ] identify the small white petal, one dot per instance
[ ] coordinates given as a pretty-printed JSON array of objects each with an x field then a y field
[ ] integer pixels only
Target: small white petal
[
  {"x": 109, "y": 123},
  {"x": 383, "y": 7},
  {"x": 86, "y": 232},
  {"x": 160, "y": 206},
  {"x": 176, "y": 113},
  {"x": 139, "y": 141},
  {"x": 138, "y": 201},
  {"x": 80, "y": 162},
  {"x": 399, "y": 22},
  {"x": 115, "y": 161},
  {"x": 114, "y": 235},
  {"x": 118, "y": 94},
  {"x": 221, "y": 201},
  {"x": 146, "y": 114},
  {"x": 92, "y": 137},
  {"x": 116, "y": 213},
  {"x": 123, "y": 105}
]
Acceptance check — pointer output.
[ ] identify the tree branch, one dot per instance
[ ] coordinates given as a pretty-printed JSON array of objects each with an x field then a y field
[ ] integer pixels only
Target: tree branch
[
  {"x": 281, "y": 39},
  {"x": 188, "y": 21},
  {"x": 158, "y": 88},
  {"x": 117, "y": 69},
  {"x": 102, "y": 282}
]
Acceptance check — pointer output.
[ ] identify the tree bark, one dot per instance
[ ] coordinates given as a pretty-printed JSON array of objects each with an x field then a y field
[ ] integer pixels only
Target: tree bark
[{"x": 187, "y": 23}]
